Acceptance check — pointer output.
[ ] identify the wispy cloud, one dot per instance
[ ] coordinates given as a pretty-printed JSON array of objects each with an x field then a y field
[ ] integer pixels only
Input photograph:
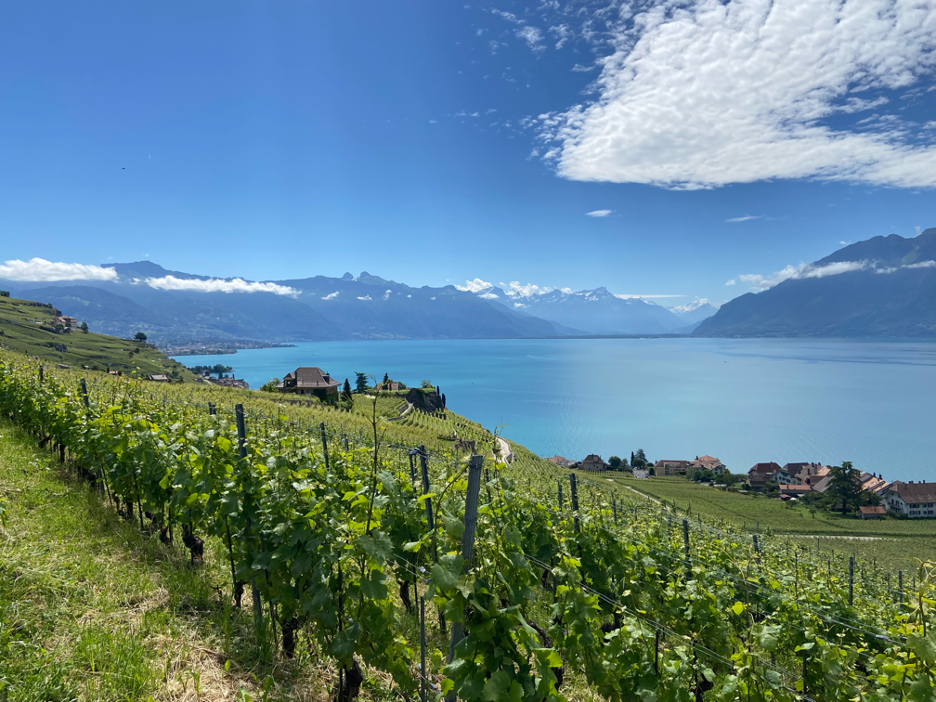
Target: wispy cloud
[
  {"x": 533, "y": 38},
  {"x": 579, "y": 68},
  {"x": 365, "y": 297},
  {"x": 693, "y": 97},
  {"x": 237, "y": 285},
  {"x": 745, "y": 218},
  {"x": 598, "y": 213},
  {"x": 809, "y": 270},
  {"x": 474, "y": 286},
  {"x": 332, "y": 296},
  {"x": 41, "y": 270},
  {"x": 489, "y": 296},
  {"x": 386, "y": 295}
]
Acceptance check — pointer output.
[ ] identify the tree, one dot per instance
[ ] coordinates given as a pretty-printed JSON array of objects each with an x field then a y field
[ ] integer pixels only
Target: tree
[
  {"x": 614, "y": 462},
  {"x": 272, "y": 385},
  {"x": 386, "y": 378},
  {"x": 639, "y": 459},
  {"x": 83, "y": 327},
  {"x": 845, "y": 487},
  {"x": 360, "y": 383},
  {"x": 140, "y": 336},
  {"x": 426, "y": 384},
  {"x": 221, "y": 369},
  {"x": 346, "y": 391}
]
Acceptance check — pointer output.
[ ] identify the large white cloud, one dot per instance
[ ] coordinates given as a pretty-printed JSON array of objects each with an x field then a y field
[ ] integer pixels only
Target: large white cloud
[
  {"x": 237, "y": 285},
  {"x": 713, "y": 92},
  {"x": 40, "y": 270}
]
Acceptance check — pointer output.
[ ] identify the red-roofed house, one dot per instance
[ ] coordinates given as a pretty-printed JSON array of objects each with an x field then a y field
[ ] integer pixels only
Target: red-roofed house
[
  {"x": 309, "y": 381},
  {"x": 762, "y": 473}
]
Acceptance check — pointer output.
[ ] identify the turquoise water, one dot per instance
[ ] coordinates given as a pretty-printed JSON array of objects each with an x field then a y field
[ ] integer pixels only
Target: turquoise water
[{"x": 744, "y": 401}]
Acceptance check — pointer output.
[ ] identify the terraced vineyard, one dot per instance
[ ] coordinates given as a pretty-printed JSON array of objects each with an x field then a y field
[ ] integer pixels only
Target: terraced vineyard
[{"x": 338, "y": 538}]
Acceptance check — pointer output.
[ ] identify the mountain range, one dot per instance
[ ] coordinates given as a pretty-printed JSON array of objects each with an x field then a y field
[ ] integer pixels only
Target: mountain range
[
  {"x": 884, "y": 286},
  {"x": 881, "y": 287}
]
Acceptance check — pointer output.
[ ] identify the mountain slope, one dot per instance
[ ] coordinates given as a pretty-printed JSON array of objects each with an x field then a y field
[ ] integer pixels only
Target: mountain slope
[
  {"x": 28, "y": 327},
  {"x": 889, "y": 292}
]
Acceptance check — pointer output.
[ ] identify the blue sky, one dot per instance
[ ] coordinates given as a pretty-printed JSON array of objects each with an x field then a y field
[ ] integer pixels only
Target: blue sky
[{"x": 435, "y": 142}]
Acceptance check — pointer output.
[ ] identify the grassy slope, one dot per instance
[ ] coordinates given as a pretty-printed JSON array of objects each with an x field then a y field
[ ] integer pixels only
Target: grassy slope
[
  {"x": 20, "y": 332},
  {"x": 895, "y": 541},
  {"x": 91, "y": 609}
]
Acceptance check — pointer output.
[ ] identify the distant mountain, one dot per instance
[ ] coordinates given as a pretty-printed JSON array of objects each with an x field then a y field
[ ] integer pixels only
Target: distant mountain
[
  {"x": 882, "y": 287},
  {"x": 595, "y": 311},
  {"x": 694, "y": 312},
  {"x": 172, "y": 305}
]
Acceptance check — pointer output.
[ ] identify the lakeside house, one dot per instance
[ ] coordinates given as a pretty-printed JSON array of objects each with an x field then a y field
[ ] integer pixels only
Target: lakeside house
[
  {"x": 914, "y": 500},
  {"x": 561, "y": 461},
  {"x": 762, "y": 473},
  {"x": 592, "y": 462},
  {"x": 793, "y": 490},
  {"x": 708, "y": 463},
  {"x": 669, "y": 467},
  {"x": 309, "y": 381}
]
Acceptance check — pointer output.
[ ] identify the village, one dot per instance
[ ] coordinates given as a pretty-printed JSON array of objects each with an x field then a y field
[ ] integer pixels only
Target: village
[{"x": 791, "y": 482}]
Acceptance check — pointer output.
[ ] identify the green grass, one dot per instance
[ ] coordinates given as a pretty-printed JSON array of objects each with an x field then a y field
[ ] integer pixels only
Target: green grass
[
  {"x": 92, "y": 609},
  {"x": 25, "y": 328},
  {"x": 895, "y": 542}
]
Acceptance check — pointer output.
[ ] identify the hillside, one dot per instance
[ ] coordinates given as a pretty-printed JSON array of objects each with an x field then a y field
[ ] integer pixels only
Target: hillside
[
  {"x": 28, "y": 327},
  {"x": 882, "y": 287}
]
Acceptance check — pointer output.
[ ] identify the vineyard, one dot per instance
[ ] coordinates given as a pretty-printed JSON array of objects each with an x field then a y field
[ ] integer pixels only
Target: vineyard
[{"x": 380, "y": 548}]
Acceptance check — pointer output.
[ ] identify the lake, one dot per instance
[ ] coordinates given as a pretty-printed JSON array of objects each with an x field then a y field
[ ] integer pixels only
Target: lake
[{"x": 742, "y": 400}]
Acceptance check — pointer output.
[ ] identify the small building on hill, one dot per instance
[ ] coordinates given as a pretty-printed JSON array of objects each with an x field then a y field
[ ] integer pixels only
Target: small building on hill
[
  {"x": 561, "y": 461},
  {"x": 872, "y": 511},
  {"x": 708, "y": 463},
  {"x": 310, "y": 381},
  {"x": 915, "y": 500},
  {"x": 390, "y": 385},
  {"x": 762, "y": 473},
  {"x": 669, "y": 467},
  {"x": 793, "y": 490},
  {"x": 593, "y": 462},
  {"x": 160, "y": 378}
]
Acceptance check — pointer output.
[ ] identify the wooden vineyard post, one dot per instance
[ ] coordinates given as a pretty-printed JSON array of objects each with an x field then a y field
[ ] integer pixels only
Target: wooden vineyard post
[
  {"x": 900, "y": 587},
  {"x": 573, "y": 489},
  {"x": 796, "y": 582},
  {"x": 467, "y": 542},
  {"x": 242, "y": 453},
  {"x": 424, "y": 465},
  {"x": 422, "y": 650},
  {"x": 324, "y": 445},
  {"x": 614, "y": 508},
  {"x": 851, "y": 580},
  {"x": 84, "y": 393},
  {"x": 685, "y": 533},
  {"x": 40, "y": 374},
  {"x": 412, "y": 466},
  {"x": 560, "y": 494}
]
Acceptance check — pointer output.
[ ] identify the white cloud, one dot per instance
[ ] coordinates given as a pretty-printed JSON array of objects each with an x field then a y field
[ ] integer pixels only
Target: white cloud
[
  {"x": 365, "y": 297},
  {"x": 489, "y": 296},
  {"x": 713, "y": 92},
  {"x": 332, "y": 296},
  {"x": 515, "y": 289},
  {"x": 745, "y": 218},
  {"x": 237, "y": 285},
  {"x": 809, "y": 270},
  {"x": 533, "y": 37},
  {"x": 386, "y": 295},
  {"x": 598, "y": 213},
  {"x": 476, "y": 285},
  {"x": 579, "y": 68},
  {"x": 40, "y": 270},
  {"x": 563, "y": 33}
]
